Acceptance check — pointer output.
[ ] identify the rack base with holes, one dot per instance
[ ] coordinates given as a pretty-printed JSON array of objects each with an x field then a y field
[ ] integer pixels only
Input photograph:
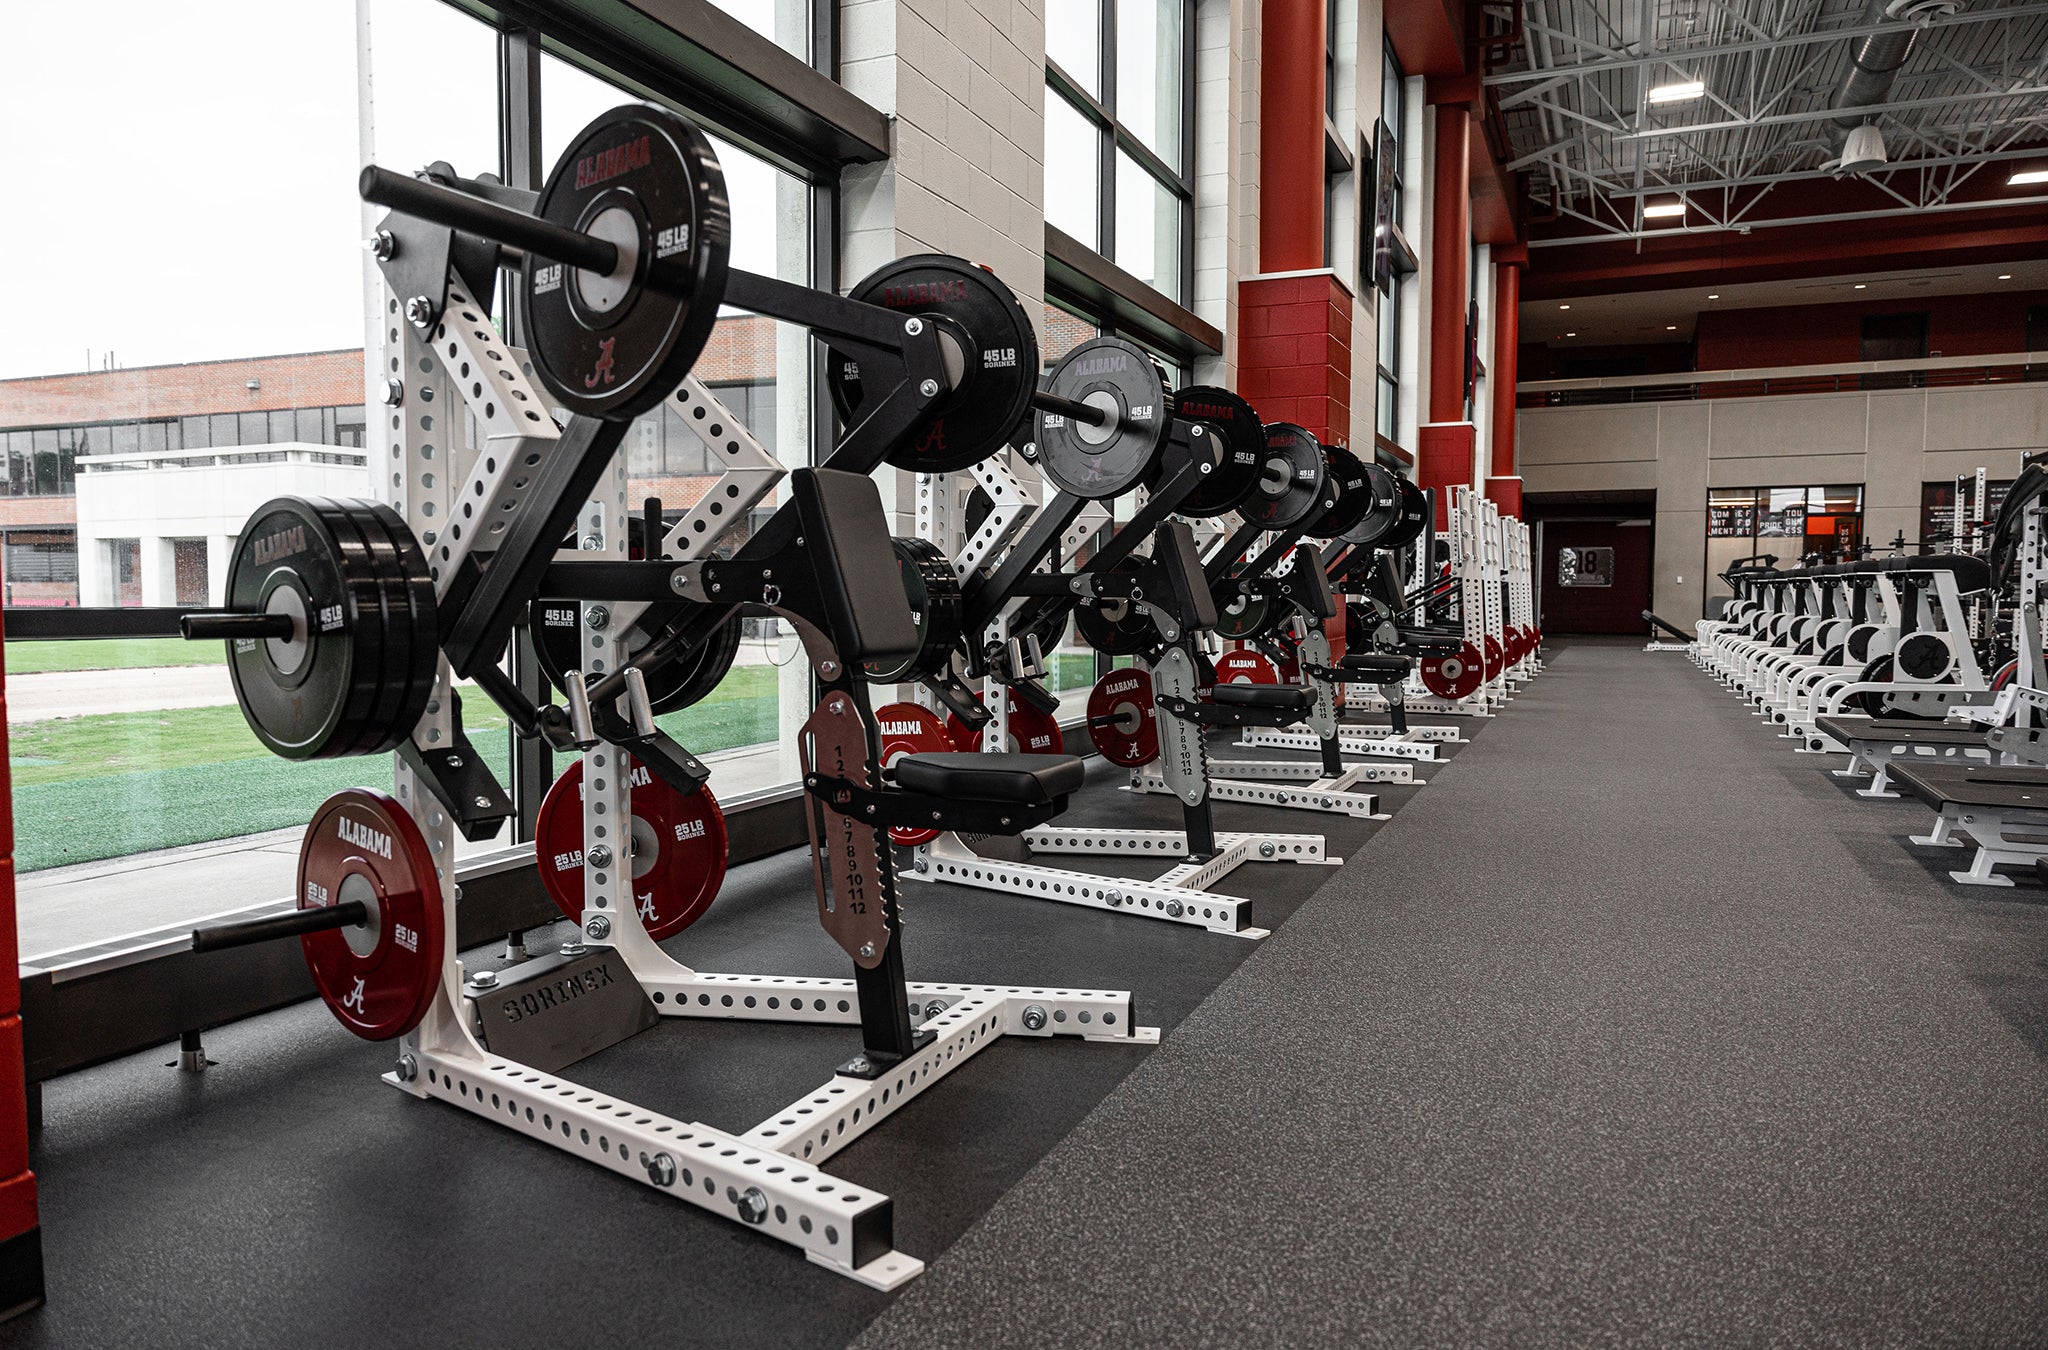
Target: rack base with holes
[
  {"x": 1319, "y": 794},
  {"x": 1178, "y": 895},
  {"x": 1411, "y": 749}
]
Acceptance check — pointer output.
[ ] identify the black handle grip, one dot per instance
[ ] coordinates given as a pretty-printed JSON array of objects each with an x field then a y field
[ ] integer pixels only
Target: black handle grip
[
  {"x": 227, "y": 624},
  {"x": 500, "y": 224},
  {"x": 220, "y": 937}
]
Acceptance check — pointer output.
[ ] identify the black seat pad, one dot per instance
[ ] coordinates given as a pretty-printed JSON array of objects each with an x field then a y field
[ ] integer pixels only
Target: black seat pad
[
  {"x": 1026, "y": 780},
  {"x": 1901, "y": 731},
  {"x": 1374, "y": 663},
  {"x": 1994, "y": 787},
  {"x": 1262, "y": 696}
]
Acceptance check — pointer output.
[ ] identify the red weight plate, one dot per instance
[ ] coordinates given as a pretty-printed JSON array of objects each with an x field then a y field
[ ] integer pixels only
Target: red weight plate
[
  {"x": 1453, "y": 676},
  {"x": 1121, "y": 718},
  {"x": 678, "y": 843},
  {"x": 1494, "y": 658},
  {"x": 378, "y": 978},
  {"x": 1031, "y": 732},
  {"x": 1246, "y": 667},
  {"x": 909, "y": 729}
]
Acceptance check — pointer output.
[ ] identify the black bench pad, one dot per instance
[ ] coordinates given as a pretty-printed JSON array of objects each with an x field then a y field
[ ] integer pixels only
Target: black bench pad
[
  {"x": 1262, "y": 696},
  {"x": 1900, "y": 730},
  {"x": 1025, "y": 780},
  {"x": 1372, "y": 663},
  {"x": 1982, "y": 785}
]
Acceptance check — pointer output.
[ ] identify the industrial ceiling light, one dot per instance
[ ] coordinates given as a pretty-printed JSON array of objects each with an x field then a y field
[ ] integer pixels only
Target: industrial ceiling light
[
  {"x": 1863, "y": 151},
  {"x": 1564, "y": 306},
  {"x": 1860, "y": 286},
  {"x": 2026, "y": 176},
  {"x": 1716, "y": 295},
  {"x": 2005, "y": 276},
  {"x": 1663, "y": 210},
  {"x": 1678, "y": 92}
]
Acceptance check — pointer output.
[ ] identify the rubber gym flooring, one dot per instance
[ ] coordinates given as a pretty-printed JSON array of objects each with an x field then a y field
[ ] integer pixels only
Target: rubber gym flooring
[{"x": 1631, "y": 1027}]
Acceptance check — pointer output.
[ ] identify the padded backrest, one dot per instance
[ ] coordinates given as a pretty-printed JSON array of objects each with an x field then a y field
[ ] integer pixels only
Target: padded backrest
[
  {"x": 1173, "y": 548},
  {"x": 846, "y": 539},
  {"x": 1314, "y": 587}
]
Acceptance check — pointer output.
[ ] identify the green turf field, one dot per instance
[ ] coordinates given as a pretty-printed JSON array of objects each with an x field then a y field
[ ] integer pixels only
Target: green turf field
[
  {"x": 37, "y": 658},
  {"x": 102, "y": 787}
]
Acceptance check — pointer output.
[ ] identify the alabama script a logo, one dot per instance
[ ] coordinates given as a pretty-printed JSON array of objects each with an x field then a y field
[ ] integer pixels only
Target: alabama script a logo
[{"x": 602, "y": 372}]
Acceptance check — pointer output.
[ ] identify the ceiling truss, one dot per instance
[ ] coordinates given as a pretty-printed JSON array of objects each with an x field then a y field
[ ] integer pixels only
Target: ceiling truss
[{"x": 1576, "y": 106}]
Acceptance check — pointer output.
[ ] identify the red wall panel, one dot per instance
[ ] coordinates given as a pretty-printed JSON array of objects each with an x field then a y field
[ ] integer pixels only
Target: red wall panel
[{"x": 1811, "y": 335}]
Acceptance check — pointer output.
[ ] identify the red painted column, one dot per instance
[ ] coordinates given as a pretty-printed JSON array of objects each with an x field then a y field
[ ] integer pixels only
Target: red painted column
[
  {"x": 21, "y": 1236},
  {"x": 1294, "y": 320},
  {"x": 1450, "y": 252},
  {"x": 1444, "y": 458},
  {"x": 1291, "y": 135},
  {"x": 1505, "y": 483}
]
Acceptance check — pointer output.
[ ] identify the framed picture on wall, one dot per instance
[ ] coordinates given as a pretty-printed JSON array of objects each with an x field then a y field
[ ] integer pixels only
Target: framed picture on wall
[{"x": 1387, "y": 170}]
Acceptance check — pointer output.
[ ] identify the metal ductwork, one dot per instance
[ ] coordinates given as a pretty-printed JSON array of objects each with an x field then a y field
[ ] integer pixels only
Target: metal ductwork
[{"x": 1876, "y": 58}]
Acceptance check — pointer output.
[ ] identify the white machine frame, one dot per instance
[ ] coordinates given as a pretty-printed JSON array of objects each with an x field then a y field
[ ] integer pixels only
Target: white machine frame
[{"x": 766, "y": 1177}]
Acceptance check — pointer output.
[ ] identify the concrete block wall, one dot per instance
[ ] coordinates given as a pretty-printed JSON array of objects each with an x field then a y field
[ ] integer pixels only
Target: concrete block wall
[
  {"x": 1890, "y": 441},
  {"x": 965, "y": 80}
]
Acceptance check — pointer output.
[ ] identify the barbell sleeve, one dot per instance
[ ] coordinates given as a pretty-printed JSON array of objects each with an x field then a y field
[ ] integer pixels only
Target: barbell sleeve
[
  {"x": 220, "y": 937},
  {"x": 499, "y": 224},
  {"x": 229, "y": 624},
  {"x": 1066, "y": 407}
]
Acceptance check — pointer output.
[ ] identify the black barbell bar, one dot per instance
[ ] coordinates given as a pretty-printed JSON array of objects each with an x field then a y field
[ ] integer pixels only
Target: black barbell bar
[
  {"x": 459, "y": 210},
  {"x": 1066, "y": 407},
  {"x": 232, "y": 624},
  {"x": 220, "y": 937},
  {"x": 503, "y": 225}
]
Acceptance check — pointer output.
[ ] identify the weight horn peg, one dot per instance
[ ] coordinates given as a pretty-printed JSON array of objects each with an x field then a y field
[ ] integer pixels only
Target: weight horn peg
[{"x": 623, "y": 259}]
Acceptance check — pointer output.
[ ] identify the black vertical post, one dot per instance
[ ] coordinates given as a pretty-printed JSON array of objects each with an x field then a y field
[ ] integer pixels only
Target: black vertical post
[
  {"x": 533, "y": 763},
  {"x": 1200, "y": 822}
]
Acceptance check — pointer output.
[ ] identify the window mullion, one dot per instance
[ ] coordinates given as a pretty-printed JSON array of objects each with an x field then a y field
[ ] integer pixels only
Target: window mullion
[{"x": 1105, "y": 228}]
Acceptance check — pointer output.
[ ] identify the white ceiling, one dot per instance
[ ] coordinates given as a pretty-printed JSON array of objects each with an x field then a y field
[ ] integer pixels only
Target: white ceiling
[{"x": 1670, "y": 316}]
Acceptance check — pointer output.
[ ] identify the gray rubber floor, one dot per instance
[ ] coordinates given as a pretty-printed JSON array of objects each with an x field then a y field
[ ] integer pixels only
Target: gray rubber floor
[{"x": 1634, "y": 1028}]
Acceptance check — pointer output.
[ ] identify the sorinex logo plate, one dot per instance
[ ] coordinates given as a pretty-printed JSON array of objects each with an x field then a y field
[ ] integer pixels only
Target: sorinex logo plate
[{"x": 554, "y": 1010}]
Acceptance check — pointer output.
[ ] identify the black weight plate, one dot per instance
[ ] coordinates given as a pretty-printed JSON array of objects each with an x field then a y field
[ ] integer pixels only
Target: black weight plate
[
  {"x": 1244, "y": 616},
  {"x": 1244, "y": 443},
  {"x": 1099, "y": 462},
  {"x": 1115, "y": 626},
  {"x": 373, "y": 637},
  {"x": 933, "y": 590},
  {"x": 1291, "y": 479},
  {"x": 394, "y": 628},
  {"x": 1414, "y": 516},
  {"x": 557, "y": 629},
  {"x": 424, "y": 661},
  {"x": 1354, "y": 499},
  {"x": 647, "y": 180},
  {"x": 985, "y": 331},
  {"x": 1382, "y": 510},
  {"x": 1872, "y": 701},
  {"x": 707, "y": 668},
  {"x": 297, "y": 694}
]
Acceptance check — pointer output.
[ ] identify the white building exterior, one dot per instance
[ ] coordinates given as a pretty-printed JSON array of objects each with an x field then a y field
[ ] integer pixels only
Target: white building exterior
[{"x": 155, "y": 501}]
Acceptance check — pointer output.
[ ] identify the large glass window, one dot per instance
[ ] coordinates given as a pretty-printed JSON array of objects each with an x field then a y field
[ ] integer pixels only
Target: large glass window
[
  {"x": 1824, "y": 523},
  {"x": 1383, "y": 247},
  {"x": 143, "y": 423},
  {"x": 1118, "y": 106},
  {"x": 760, "y": 369},
  {"x": 140, "y": 428}
]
